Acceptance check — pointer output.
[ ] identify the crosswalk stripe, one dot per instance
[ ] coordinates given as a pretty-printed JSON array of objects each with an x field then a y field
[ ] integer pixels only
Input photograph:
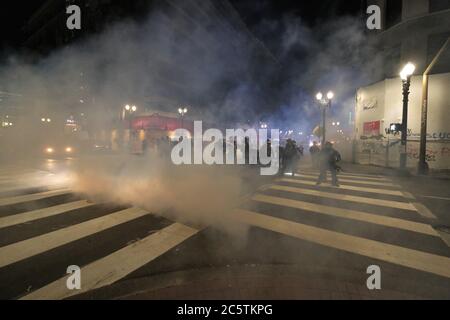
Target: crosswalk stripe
[
  {"x": 4, "y": 187},
  {"x": 31, "y": 247},
  {"x": 408, "y": 195},
  {"x": 349, "y": 214},
  {"x": 33, "y": 196},
  {"x": 423, "y": 211},
  {"x": 351, "y": 175},
  {"x": 43, "y": 213},
  {"x": 24, "y": 178},
  {"x": 410, "y": 258},
  {"x": 358, "y": 199},
  {"x": 373, "y": 183},
  {"x": 23, "y": 173},
  {"x": 12, "y": 168},
  {"x": 117, "y": 265},
  {"x": 348, "y": 187},
  {"x": 18, "y": 187},
  {"x": 445, "y": 237},
  {"x": 17, "y": 172}
]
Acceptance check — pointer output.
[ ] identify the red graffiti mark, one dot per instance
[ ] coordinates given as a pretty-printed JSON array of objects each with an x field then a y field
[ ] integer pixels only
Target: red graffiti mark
[
  {"x": 430, "y": 156},
  {"x": 445, "y": 152}
]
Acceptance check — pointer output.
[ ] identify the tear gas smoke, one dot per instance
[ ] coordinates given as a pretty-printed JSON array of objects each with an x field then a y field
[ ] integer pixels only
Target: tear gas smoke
[{"x": 165, "y": 62}]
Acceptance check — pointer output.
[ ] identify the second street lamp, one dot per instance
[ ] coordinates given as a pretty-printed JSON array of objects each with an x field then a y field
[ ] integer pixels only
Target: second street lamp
[
  {"x": 182, "y": 112},
  {"x": 405, "y": 75},
  {"x": 128, "y": 109},
  {"x": 324, "y": 103}
]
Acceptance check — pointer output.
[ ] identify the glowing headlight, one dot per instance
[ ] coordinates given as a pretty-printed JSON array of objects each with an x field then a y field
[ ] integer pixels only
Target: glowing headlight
[
  {"x": 49, "y": 150},
  {"x": 68, "y": 149}
]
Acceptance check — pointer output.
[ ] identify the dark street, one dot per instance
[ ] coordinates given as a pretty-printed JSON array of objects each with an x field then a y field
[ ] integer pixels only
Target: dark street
[
  {"x": 225, "y": 158},
  {"x": 291, "y": 239}
]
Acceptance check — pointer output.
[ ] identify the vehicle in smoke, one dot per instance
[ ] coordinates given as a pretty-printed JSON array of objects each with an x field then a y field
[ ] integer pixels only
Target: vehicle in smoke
[{"x": 58, "y": 150}]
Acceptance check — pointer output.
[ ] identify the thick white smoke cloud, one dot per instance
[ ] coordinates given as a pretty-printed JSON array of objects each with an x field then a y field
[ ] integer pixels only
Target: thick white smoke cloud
[{"x": 212, "y": 68}]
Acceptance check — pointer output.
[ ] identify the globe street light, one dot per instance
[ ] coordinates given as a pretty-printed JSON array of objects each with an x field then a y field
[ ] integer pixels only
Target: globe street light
[
  {"x": 405, "y": 75},
  {"x": 330, "y": 95},
  {"x": 128, "y": 109},
  {"x": 182, "y": 112},
  {"x": 324, "y": 103},
  {"x": 407, "y": 71}
]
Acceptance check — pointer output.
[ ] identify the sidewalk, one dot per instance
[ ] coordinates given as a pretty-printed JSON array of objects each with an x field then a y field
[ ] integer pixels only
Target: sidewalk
[
  {"x": 254, "y": 282},
  {"x": 371, "y": 169}
]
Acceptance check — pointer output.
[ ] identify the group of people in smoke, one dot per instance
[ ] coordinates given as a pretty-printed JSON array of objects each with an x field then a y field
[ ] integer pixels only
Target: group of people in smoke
[{"x": 325, "y": 158}]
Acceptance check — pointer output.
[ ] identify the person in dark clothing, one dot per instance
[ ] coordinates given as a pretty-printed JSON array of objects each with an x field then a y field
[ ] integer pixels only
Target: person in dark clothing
[
  {"x": 291, "y": 157},
  {"x": 247, "y": 150},
  {"x": 281, "y": 159},
  {"x": 314, "y": 152},
  {"x": 300, "y": 151},
  {"x": 328, "y": 159},
  {"x": 268, "y": 147}
]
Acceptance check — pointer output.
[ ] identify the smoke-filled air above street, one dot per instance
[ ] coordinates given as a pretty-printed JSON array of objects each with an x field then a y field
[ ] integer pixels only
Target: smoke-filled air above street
[{"x": 247, "y": 150}]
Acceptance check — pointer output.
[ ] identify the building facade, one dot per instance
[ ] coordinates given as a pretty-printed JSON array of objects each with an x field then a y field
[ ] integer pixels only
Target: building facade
[{"x": 413, "y": 31}]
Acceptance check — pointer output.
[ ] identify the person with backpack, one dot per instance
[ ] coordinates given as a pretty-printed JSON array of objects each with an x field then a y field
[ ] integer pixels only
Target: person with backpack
[
  {"x": 291, "y": 157},
  {"x": 328, "y": 159}
]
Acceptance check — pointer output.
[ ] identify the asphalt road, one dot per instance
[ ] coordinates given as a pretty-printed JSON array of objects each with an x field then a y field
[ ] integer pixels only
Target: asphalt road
[{"x": 288, "y": 239}]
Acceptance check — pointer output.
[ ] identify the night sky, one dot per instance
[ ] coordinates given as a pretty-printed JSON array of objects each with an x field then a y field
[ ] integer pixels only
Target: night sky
[
  {"x": 14, "y": 14},
  {"x": 311, "y": 12}
]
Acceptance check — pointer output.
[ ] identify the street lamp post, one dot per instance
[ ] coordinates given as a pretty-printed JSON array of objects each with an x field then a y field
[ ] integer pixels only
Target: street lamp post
[
  {"x": 325, "y": 103},
  {"x": 405, "y": 75},
  {"x": 182, "y": 112},
  {"x": 128, "y": 110}
]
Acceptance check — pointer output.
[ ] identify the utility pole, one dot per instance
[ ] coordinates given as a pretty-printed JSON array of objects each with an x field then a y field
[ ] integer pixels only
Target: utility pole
[
  {"x": 324, "y": 125},
  {"x": 423, "y": 166}
]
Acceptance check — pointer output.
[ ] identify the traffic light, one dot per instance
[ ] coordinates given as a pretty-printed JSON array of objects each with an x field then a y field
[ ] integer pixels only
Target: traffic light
[{"x": 394, "y": 128}]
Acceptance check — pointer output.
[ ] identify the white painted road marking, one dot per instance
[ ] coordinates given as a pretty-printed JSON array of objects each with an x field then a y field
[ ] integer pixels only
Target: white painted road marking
[
  {"x": 31, "y": 247},
  {"x": 117, "y": 265},
  {"x": 344, "y": 197},
  {"x": 373, "y": 183},
  {"x": 43, "y": 213},
  {"x": 423, "y": 211},
  {"x": 350, "y": 175},
  {"x": 410, "y": 258},
  {"x": 349, "y": 214},
  {"x": 437, "y": 198},
  {"x": 348, "y": 187},
  {"x": 33, "y": 197}
]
